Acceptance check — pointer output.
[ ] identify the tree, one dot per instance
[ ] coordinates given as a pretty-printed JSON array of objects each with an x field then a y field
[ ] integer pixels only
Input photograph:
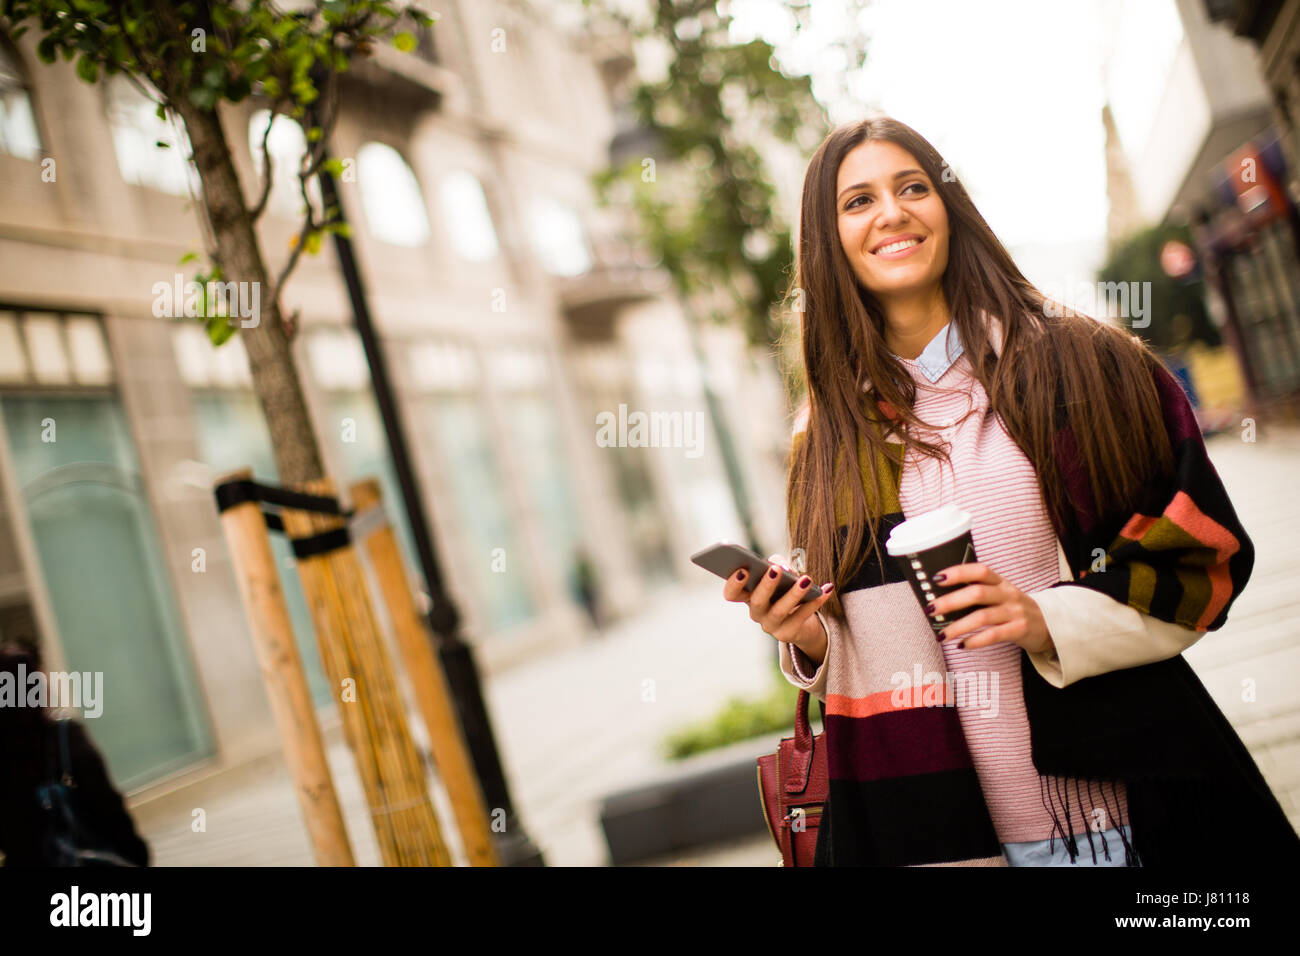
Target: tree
[
  {"x": 705, "y": 197},
  {"x": 189, "y": 56}
]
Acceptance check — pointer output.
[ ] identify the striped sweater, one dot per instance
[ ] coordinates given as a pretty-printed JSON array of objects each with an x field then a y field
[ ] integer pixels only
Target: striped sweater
[{"x": 916, "y": 779}]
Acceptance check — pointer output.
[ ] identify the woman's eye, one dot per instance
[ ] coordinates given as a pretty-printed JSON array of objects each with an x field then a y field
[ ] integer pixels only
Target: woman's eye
[
  {"x": 921, "y": 186},
  {"x": 850, "y": 204}
]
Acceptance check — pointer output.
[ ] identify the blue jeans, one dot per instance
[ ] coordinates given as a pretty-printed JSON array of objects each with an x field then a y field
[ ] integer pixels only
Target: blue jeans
[{"x": 1036, "y": 852}]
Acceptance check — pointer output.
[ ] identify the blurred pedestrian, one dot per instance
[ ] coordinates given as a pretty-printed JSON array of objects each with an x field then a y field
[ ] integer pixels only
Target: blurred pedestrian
[
  {"x": 58, "y": 806},
  {"x": 584, "y": 586}
]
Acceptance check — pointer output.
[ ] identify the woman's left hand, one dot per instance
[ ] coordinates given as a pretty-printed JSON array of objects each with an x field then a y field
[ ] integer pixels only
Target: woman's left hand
[{"x": 1009, "y": 614}]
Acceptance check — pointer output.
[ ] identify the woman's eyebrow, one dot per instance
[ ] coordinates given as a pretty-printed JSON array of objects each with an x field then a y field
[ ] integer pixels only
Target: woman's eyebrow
[{"x": 897, "y": 176}]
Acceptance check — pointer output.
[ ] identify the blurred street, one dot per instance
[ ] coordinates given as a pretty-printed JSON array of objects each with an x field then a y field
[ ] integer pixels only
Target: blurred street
[{"x": 574, "y": 727}]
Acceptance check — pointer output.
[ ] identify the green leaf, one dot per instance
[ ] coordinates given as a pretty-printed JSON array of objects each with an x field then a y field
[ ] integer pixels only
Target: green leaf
[
  {"x": 204, "y": 97},
  {"x": 405, "y": 41},
  {"x": 46, "y": 50},
  {"x": 219, "y": 329},
  {"x": 161, "y": 112},
  {"x": 314, "y": 134},
  {"x": 188, "y": 257},
  {"x": 87, "y": 69},
  {"x": 312, "y": 245}
]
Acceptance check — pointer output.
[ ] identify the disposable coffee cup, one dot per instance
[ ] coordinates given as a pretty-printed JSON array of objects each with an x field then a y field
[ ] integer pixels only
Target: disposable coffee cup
[{"x": 925, "y": 545}]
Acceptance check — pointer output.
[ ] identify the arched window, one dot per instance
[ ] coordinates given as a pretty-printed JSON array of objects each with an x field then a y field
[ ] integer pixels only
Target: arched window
[
  {"x": 287, "y": 145},
  {"x": 558, "y": 237},
  {"x": 137, "y": 131},
  {"x": 391, "y": 197},
  {"x": 468, "y": 218},
  {"x": 18, "y": 134}
]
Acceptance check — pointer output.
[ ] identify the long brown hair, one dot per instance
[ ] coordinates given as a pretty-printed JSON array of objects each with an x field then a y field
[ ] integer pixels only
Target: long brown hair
[{"x": 1049, "y": 356}]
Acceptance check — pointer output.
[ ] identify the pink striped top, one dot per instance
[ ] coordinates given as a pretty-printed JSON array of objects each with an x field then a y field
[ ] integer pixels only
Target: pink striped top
[{"x": 992, "y": 479}]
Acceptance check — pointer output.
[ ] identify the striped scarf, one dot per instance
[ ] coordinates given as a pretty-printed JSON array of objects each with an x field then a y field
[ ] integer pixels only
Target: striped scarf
[{"x": 903, "y": 787}]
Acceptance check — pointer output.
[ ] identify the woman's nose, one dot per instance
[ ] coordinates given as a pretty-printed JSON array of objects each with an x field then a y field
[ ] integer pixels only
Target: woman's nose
[{"x": 890, "y": 212}]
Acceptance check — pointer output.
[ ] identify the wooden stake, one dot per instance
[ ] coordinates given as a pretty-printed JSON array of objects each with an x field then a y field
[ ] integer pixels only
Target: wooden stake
[
  {"x": 374, "y": 721},
  {"x": 429, "y": 683},
  {"x": 286, "y": 682}
]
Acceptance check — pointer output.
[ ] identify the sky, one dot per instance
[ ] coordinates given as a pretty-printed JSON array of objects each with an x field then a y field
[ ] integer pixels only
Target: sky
[{"x": 1010, "y": 92}]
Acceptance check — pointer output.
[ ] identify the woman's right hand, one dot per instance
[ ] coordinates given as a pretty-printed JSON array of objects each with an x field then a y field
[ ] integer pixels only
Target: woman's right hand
[{"x": 786, "y": 619}]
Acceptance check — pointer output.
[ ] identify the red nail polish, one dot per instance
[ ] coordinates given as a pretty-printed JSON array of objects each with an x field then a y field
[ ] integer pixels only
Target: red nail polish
[
  {"x": 929, "y": 608},
  {"x": 804, "y": 582},
  {"x": 939, "y": 578},
  {"x": 740, "y": 576},
  {"x": 772, "y": 573},
  {"x": 961, "y": 645}
]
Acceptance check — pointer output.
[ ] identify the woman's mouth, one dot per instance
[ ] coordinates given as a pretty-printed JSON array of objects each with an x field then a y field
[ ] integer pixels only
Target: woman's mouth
[{"x": 898, "y": 248}]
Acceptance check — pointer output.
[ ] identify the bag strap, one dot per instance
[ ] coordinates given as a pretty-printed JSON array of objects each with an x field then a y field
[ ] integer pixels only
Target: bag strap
[{"x": 800, "y": 766}]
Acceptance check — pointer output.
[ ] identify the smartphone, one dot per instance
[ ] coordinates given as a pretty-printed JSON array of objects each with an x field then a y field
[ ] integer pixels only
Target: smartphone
[{"x": 724, "y": 559}]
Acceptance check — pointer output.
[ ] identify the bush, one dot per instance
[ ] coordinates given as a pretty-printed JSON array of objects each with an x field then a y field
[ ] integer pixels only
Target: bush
[{"x": 742, "y": 719}]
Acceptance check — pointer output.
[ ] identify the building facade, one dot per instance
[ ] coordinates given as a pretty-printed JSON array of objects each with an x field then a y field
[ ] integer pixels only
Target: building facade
[
  {"x": 1201, "y": 147},
  {"x": 515, "y": 316}
]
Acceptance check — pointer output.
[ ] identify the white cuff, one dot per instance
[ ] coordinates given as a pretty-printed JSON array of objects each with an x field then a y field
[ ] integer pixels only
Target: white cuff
[
  {"x": 1094, "y": 634},
  {"x": 795, "y": 664}
]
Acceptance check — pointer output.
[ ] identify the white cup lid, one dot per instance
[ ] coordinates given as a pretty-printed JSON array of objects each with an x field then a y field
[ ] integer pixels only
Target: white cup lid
[{"x": 928, "y": 530}]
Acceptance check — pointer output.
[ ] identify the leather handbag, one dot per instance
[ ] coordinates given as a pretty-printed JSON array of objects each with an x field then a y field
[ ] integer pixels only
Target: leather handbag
[{"x": 794, "y": 786}]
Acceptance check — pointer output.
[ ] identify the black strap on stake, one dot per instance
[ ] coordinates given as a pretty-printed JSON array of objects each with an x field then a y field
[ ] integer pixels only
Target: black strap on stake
[{"x": 235, "y": 492}]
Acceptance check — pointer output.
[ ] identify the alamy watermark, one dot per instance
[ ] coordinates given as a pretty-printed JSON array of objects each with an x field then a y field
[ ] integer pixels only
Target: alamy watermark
[
  {"x": 193, "y": 300},
  {"x": 78, "y": 690},
  {"x": 1130, "y": 301},
  {"x": 650, "y": 430},
  {"x": 975, "y": 689}
]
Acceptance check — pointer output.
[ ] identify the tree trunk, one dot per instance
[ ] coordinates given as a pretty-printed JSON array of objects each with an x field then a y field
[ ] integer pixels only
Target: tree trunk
[{"x": 275, "y": 377}]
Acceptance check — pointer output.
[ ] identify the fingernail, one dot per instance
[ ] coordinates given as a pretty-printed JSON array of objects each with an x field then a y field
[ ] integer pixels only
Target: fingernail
[
  {"x": 772, "y": 573},
  {"x": 827, "y": 588},
  {"x": 740, "y": 575},
  {"x": 805, "y": 581},
  {"x": 929, "y": 608},
  {"x": 962, "y": 645},
  {"x": 939, "y": 636},
  {"x": 939, "y": 578}
]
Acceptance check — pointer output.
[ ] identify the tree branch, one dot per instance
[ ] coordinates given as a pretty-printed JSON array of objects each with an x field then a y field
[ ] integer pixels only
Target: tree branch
[{"x": 267, "y": 169}]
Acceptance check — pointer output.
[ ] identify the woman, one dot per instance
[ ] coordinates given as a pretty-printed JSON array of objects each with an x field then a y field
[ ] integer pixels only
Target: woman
[{"x": 1107, "y": 546}]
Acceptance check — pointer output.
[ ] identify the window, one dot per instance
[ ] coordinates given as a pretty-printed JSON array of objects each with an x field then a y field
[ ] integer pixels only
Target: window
[
  {"x": 558, "y": 237},
  {"x": 47, "y": 348},
  {"x": 391, "y": 197},
  {"x": 287, "y": 145},
  {"x": 452, "y": 419},
  {"x": 137, "y": 132},
  {"x": 18, "y": 135},
  {"x": 468, "y": 219},
  {"x": 77, "y": 477}
]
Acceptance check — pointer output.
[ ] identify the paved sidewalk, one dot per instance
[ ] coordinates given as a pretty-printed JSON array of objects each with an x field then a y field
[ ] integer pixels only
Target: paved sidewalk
[{"x": 572, "y": 727}]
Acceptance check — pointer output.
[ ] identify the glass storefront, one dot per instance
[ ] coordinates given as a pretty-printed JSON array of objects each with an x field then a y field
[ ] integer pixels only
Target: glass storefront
[
  {"x": 103, "y": 568},
  {"x": 456, "y": 423}
]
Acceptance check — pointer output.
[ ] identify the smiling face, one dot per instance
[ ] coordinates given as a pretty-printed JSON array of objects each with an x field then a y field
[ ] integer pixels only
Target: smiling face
[{"x": 892, "y": 224}]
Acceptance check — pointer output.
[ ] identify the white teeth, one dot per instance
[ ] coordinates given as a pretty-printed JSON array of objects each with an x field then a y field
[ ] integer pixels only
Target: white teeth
[{"x": 895, "y": 246}]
